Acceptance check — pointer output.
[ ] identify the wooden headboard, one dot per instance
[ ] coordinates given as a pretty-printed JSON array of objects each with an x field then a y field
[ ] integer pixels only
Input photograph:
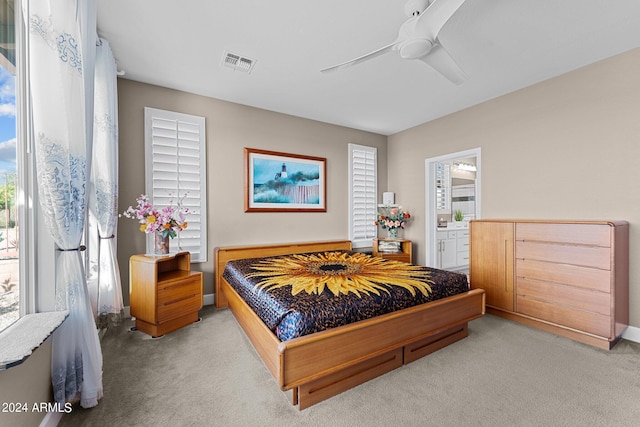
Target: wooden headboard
[{"x": 224, "y": 254}]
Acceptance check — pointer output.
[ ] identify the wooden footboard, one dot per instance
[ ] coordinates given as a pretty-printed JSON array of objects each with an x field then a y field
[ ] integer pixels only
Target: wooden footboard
[{"x": 323, "y": 364}]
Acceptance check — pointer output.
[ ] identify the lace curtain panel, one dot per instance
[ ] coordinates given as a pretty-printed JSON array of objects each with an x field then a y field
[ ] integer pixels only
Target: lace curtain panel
[
  {"x": 103, "y": 278},
  {"x": 62, "y": 48}
]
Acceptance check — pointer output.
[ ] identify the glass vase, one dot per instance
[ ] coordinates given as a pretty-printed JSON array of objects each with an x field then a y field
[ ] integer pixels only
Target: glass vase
[
  {"x": 160, "y": 244},
  {"x": 393, "y": 233}
]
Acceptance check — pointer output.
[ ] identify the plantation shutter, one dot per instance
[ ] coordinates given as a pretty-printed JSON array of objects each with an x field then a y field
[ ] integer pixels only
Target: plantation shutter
[
  {"x": 176, "y": 168},
  {"x": 363, "y": 194}
]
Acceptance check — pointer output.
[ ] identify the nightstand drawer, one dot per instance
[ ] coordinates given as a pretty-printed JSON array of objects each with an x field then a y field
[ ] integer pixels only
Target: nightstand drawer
[
  {"x": 177, "y": 298},
  {"x": 178, "y": 289}
]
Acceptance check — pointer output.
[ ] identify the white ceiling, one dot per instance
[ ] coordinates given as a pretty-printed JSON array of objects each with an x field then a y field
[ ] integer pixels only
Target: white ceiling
[{"x": 503, "y": 45}]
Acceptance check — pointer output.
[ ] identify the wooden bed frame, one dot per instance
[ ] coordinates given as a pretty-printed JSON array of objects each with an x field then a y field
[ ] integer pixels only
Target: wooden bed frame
[{"x": 318, "y": 366}]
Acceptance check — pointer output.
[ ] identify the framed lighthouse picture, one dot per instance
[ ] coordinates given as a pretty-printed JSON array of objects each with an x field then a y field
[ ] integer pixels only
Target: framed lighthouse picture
[{"x": 282, "y": 182}]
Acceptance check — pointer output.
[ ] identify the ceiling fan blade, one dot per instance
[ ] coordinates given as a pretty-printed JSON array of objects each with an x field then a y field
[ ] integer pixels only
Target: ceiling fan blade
[
  {"x": 431, "y": 21},
  {"x": 440, "y": 60},
  {"x": 362, "y": 58}
]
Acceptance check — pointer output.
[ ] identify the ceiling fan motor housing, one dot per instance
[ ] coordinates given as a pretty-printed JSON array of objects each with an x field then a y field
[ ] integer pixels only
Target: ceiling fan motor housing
[{"x": 415, "y": 48}]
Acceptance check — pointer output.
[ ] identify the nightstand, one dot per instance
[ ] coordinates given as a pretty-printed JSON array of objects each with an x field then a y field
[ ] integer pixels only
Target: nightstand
[
  {"x": 403, "y": 254},
  {"x": 164, "y": 293}
]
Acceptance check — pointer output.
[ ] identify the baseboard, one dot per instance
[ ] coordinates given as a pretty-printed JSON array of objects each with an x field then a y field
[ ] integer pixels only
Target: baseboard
[
  {"x": 632, "y": 333},
  {"x": 51, "y": 419},
  {"x": 208, "y": 299}
]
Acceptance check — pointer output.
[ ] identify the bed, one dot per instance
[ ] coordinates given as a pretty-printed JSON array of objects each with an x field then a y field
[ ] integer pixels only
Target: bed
[{"x": 318, "y": 365}]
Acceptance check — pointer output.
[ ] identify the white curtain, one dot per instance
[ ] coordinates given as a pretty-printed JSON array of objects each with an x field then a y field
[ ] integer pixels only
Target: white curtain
[
  {"x": 103, "y": 277},
  {"x": 62, "y": 37}
]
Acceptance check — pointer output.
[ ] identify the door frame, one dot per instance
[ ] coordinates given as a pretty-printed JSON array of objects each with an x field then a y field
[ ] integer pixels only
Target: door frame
[{"x": 430, "y": 198}]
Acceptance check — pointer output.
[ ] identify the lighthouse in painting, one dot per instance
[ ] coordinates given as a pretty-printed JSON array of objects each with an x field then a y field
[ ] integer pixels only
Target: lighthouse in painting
[
  {"x": 282, "y": 174},
  {"x": 280, "y": 181}
]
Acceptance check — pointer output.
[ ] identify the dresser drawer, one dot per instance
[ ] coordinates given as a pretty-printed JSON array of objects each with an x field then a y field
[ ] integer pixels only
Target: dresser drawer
[
  {"x": 567, "y": 296},
  {"x": 587, "y": 256},
  {"x": 463, "y": 234},
  {"x": 585, "y": 321},
  {"x": 574, "y": 275},
  {"x": 462, "y": 258},
  {"x": 579, "y": 234}
]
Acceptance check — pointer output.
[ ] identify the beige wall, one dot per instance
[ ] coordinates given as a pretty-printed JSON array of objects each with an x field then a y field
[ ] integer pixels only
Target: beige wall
[
  {"x": 30, "y": 383},
  {"x": 567, "y": 148},
  {"x": 230, "y": 128}
]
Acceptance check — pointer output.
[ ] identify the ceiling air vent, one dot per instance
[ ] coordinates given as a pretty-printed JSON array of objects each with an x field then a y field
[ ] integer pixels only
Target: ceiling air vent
[{"x": 237, "y": 62}]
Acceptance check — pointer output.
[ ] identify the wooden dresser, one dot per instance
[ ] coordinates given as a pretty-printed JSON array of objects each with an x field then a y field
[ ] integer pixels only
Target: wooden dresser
[
  {"x": 566, "y": 277},
  {"x": 164, "y": 293}
]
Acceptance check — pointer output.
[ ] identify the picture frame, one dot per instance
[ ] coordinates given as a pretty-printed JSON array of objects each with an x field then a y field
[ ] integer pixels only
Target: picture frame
[{"x": 284, "y": 182}]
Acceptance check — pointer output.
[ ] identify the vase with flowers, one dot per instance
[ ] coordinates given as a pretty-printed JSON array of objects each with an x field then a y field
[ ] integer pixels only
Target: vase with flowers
[
  {"x": 393, "y": 219},
  {"x": 163, "y": 222}
]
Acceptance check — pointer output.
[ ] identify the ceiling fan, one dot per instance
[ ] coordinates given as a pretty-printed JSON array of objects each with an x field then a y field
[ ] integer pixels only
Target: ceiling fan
[{"x": 418, "y": 38}]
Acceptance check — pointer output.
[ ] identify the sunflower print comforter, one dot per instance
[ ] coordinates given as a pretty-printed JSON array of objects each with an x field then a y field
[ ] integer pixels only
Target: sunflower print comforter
[{"x": 300, "y": 294}]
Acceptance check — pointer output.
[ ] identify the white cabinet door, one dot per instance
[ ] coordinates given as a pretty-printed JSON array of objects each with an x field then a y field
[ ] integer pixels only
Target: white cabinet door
[{"x": 447, "y": 252}]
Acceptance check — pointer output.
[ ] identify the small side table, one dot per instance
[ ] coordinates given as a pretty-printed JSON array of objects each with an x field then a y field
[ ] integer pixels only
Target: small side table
[
  {"x": 403, "y": 256},
  {"x": 164, "y": 293}
]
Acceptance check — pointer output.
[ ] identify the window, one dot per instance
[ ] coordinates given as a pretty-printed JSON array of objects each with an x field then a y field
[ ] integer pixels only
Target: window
[
  {"x": 10, "y": 287},
  {"x": 363, "y": 194},
  {"x": 176, "y": 170}
]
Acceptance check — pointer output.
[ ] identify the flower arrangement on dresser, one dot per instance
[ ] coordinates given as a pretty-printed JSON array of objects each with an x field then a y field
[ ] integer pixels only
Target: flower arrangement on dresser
[
  {"x": 394, "y": 219},
  {"x": 164, "y": 222}
]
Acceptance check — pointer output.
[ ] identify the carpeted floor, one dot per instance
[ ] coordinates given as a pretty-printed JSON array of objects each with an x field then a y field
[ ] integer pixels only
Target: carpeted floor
[{"x": 503, "y": 374}]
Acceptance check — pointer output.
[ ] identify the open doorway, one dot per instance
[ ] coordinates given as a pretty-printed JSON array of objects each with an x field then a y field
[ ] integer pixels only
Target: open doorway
[{"x": 452, "y": 184}]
